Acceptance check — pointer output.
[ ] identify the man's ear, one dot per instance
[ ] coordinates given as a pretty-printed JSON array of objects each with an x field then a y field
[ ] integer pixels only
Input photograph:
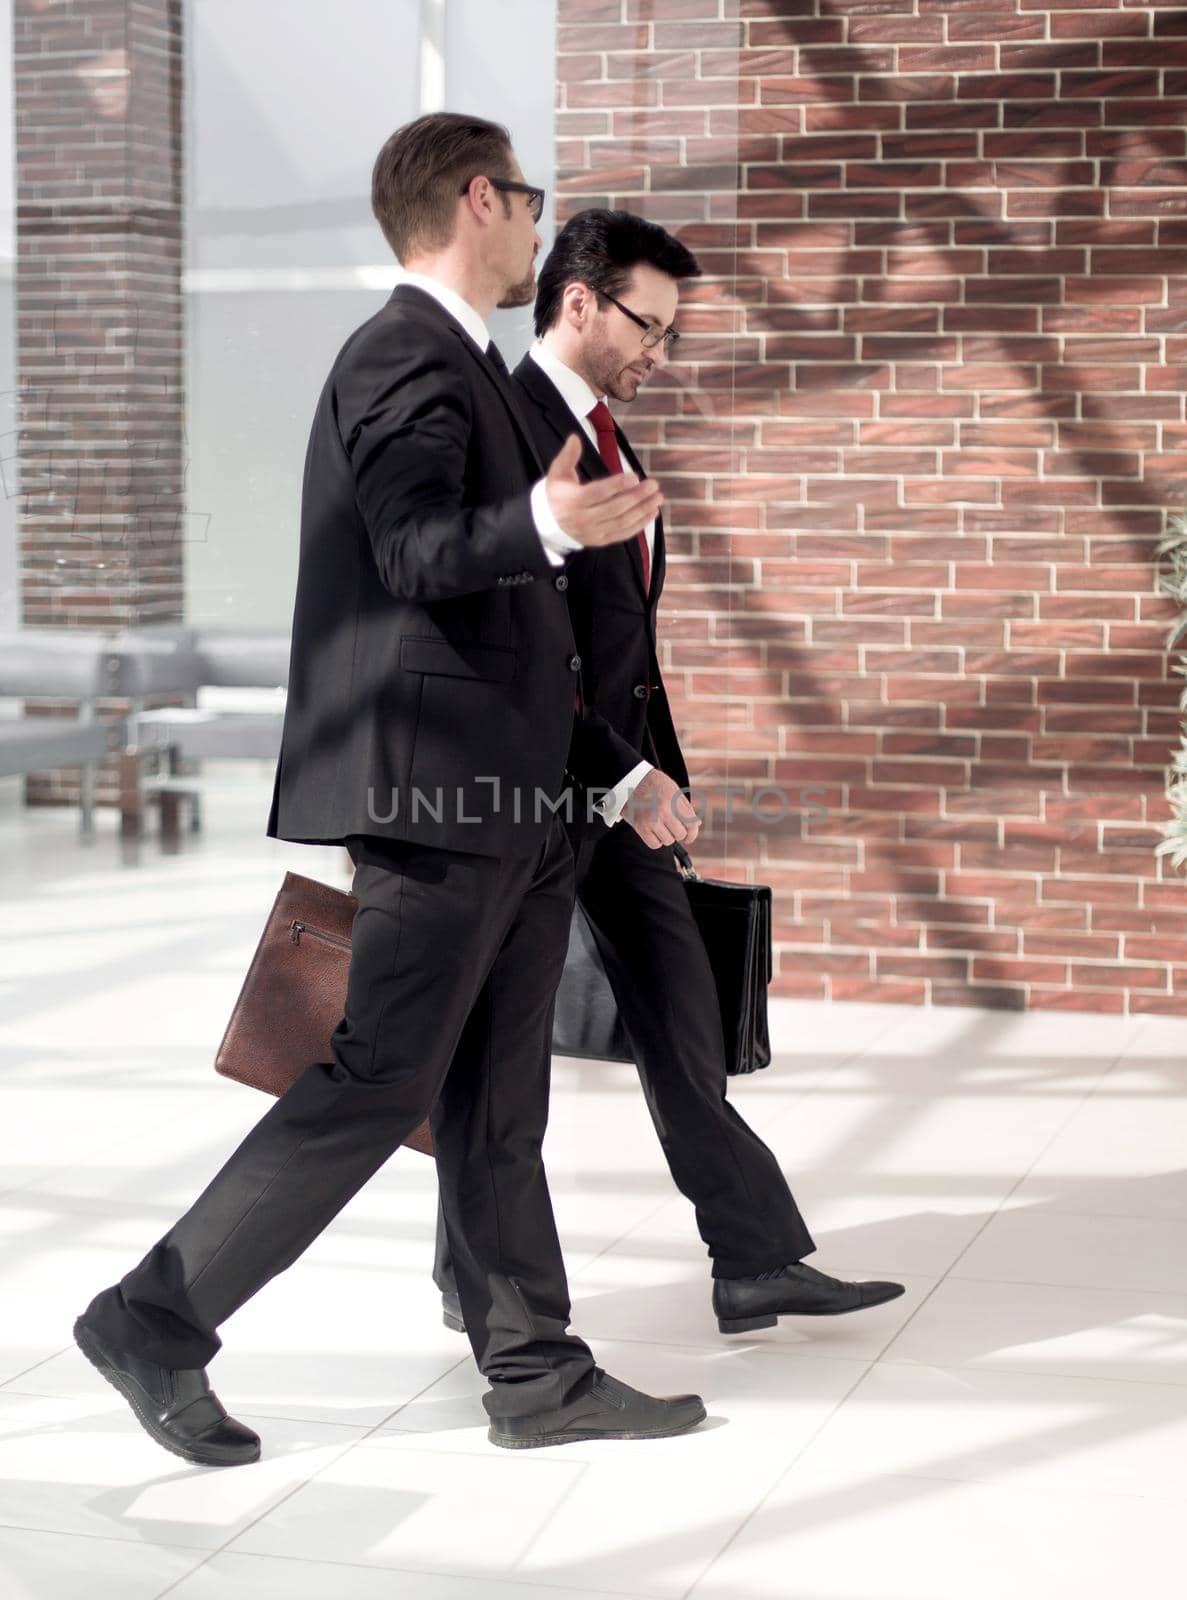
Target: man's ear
[
  {"x": 577, "y": 300},
  {"x": 479, "y": 203}
]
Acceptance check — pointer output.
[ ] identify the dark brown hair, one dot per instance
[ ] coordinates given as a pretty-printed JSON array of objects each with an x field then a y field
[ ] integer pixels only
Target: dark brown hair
[
  {"x": 418, "y": 176},
  {"x": 599, "y": 248}
]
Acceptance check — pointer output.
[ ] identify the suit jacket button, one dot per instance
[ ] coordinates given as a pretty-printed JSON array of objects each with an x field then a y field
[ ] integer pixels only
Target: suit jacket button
[
  {"x": 574, "y": 663},
  {"x": 561, "y": 583},
  {"x": 640, "y": 691}
]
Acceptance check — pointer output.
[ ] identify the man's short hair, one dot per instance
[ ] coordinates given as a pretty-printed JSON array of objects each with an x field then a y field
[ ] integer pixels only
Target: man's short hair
[
  {"x": 418, "y": 177},
  {"x": 599, "y": 248}
]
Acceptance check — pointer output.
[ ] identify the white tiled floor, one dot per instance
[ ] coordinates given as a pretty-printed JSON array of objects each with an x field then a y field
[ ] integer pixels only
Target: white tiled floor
[{"x": 1014, "y": 1426}]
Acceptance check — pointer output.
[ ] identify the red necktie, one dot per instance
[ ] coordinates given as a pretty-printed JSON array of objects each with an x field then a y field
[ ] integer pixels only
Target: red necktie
[{"x": 608, "y": 450}]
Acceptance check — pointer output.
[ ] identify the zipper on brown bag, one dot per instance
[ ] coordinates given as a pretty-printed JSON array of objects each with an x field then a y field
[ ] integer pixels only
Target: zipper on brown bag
[{"x": 296, "y": 929}]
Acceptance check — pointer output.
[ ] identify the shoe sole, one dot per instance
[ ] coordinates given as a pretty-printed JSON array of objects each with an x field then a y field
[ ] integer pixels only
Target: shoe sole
[
  {"x": 452, "y": 1322},
  {"x": 131, "y": 1393},
  {"x": 751, "y": 1324},
  {"x": 541, "y": 1440}
]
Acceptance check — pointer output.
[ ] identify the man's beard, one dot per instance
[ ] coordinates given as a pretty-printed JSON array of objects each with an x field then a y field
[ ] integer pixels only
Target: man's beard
[
  {"x": 621, "y": 384},
  {"x": 520, "y": 294}
]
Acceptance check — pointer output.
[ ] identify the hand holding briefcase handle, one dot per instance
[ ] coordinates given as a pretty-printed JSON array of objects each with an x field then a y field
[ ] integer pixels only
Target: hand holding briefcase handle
[{"x": 734, "y": 921}]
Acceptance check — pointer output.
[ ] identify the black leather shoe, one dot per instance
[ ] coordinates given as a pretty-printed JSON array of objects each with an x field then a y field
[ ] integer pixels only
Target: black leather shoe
[
  {"x": 607, "y": 1410},
  {"x": 451, "y": 1312},
  {"x": 797, "y": 1290},
  {"x": 176, "y": 1405}
]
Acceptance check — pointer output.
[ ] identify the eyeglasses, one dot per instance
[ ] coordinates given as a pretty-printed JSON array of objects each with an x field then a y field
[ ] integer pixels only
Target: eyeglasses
[
  {"x": 651, "y": 334},
  {"x": 535, "y": 196}
]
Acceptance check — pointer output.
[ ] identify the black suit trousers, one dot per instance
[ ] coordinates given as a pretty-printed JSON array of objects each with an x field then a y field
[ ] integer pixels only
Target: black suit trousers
[
  {"x": 659, "y": 971},
  {"x": 454, "y": 965}
]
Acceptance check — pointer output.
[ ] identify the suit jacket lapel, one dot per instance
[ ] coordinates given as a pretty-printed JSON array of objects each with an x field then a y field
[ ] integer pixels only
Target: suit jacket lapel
[
  {"x": 501, "y": 387},
  {"x": 531, "y": 377}
]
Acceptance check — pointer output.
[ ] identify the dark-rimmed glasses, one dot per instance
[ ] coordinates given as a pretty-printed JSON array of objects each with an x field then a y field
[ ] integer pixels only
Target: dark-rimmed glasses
[
  {"x": 651, "y": 334},
  {"x": 535, "y": 196}
]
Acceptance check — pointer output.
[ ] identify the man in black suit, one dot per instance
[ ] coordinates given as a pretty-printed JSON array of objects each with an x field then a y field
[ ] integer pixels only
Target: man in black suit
[
  {"x": 607, "y": 297},
  {"x": 430, "y": 708}
]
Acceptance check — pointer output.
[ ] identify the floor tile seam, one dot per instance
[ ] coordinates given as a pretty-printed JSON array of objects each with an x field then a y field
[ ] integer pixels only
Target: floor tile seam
[
  {"x": 843, "y": 1060},
  {"x": 100, "y": 1538},
  {"x": 275, "y": 1505},
  {"x": 1043, "y": 1373},
  {"x": 6, "y": 1383},
  {"x": 903, "y": 1326},
  {"x": 420, "y": 1572},
  {"x": 1025, "y": 1490},
  {"x": 1074, "y": 1287},
  {"x": 641, "y": 1222},
  {"x": 533, "y": 1539},
  {"x": 386, "y": 1421},
  {"x": 134, "y": 1542},
  {"x": 988, "y": 1218},
  {"x": 1004, "y": 1202},
  {"x": 1080, "y": 1288},
  {"x": 1053, "y": 1208},
  {"x": 185, "y": 1576},
  {"x": 790, "y": 1467}
]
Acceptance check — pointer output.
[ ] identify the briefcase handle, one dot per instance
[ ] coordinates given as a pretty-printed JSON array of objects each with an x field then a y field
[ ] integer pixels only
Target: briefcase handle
[{"x": 684, "y": 862}]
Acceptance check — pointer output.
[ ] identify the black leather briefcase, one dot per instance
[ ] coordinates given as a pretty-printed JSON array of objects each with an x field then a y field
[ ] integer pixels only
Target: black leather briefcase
[{"x": 734, "y": 920}]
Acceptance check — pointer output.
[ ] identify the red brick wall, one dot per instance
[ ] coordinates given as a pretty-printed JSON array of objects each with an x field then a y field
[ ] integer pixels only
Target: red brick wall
[
  {"x": 99, "y": 316},
  {"x": 928, "y": 416}
]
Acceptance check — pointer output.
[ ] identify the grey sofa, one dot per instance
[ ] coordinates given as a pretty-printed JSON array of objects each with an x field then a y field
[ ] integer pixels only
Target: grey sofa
[
  {"x": 175, "y": 659},
  {"x": 45, "y": 663},
  {"x": 153, "y": 661}
]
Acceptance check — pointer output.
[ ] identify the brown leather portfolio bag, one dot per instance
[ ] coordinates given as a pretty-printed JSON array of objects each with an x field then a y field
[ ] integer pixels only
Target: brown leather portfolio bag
[{"x": 294, "y": 994}]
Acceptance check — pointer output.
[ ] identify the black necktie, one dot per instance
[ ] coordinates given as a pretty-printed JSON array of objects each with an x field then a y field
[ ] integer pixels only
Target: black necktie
[{"x": 496, "y": 360}]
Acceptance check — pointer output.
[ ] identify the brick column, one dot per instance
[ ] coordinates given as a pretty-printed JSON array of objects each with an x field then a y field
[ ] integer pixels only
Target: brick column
[
  {"x": 98, "y": 94},
  {"x": 928, "y": 417}
]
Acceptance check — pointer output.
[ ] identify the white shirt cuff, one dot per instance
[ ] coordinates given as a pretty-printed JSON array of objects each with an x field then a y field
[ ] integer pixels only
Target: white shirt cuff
[
  {"x": 611, "y": 805},
  {"x": 557, "y": 543}
]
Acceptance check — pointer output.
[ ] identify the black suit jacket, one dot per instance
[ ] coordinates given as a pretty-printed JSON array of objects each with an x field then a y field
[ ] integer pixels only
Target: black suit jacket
[
  {"x": 432, "y": 649},
  {"x": 626, "y": 717}
]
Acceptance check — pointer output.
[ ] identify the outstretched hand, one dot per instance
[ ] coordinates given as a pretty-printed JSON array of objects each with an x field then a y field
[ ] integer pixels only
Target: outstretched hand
[{"x": 606, "y": 511}]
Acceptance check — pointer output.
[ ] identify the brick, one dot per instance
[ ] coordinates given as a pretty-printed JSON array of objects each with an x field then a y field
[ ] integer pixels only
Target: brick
[
  {"x": 821, "y": 118},
  {"x": 946, "y": 58},
  {"x": 1022, "y": 970},
  {"x": 785, "y": 91},
  {"x": 1024, "y": 57},
  {"x": 895, "y": 29},
  {"x": 911, "y": 87},
  {"x": 1041, "y": 999},
  {"x": 1121, "y": 975},
  {"x": 695, "y": 34},
  {"x": 906, "y": 965}
]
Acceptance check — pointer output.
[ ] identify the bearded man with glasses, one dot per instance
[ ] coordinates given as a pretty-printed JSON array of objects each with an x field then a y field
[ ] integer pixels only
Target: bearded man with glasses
[{"x": 604, "y": 311}]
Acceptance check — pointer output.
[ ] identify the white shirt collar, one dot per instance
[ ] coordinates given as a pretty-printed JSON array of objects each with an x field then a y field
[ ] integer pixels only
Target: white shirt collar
[
  {"x": 450, "y": 301},
  {"x": 574, "y": 390}
]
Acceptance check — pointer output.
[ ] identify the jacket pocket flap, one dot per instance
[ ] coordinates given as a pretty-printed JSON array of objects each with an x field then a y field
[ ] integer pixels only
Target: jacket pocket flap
[{"x": 442, "y": 656}]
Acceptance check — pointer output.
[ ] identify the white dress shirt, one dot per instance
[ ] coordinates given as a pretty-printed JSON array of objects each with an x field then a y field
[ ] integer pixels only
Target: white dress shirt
[{"x": 581, "y": 399}]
